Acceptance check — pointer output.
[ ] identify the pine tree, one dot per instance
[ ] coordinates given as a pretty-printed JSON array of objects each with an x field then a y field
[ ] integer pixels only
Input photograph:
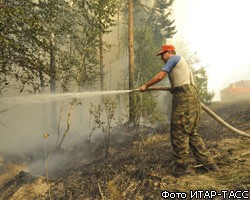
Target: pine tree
[{"x": 153, "y": 27}]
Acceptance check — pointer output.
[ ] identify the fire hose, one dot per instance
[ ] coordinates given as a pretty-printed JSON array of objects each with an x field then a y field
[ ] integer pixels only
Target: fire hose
[{"x": 208, "y": 111}]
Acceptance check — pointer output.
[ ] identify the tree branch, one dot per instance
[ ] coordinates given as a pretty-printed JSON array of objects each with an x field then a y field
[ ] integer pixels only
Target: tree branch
[{"x": 144, "y": 7}]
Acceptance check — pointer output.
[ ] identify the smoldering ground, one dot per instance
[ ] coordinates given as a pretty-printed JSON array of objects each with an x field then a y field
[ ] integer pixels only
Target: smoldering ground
[
  {"x": 22, "y": 136},
  {"x": 138, "y": 165}
]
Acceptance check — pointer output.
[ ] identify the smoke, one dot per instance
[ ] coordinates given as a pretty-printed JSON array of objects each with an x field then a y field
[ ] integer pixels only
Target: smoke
[{"x": 25, "y": 125}]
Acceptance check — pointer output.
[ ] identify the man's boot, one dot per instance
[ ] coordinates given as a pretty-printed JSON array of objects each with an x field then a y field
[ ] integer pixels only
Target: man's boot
[
  {"x": 181, "y": 170},
  {"x": 212, "y": 167}
]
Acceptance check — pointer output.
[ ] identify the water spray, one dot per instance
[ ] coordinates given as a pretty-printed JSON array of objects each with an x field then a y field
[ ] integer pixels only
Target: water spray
[
  {"x": 47, "y": 98},
  {"x": 207, "y": 110}
]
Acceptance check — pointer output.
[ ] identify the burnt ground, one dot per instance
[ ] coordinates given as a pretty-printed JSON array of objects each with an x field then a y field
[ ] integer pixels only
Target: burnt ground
[{"x": 138, "y": 165}]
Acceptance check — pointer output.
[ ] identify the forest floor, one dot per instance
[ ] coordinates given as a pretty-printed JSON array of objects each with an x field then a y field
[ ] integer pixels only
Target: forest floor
[{"x": 138, "y": 165}]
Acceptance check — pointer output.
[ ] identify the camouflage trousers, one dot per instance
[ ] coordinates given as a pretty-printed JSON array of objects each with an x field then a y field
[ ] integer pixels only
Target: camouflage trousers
[{"x": 185, "y": 117}]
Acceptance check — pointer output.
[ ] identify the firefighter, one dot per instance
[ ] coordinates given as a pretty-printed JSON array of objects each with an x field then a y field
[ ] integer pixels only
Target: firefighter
[{"x": 185, "y": 113}]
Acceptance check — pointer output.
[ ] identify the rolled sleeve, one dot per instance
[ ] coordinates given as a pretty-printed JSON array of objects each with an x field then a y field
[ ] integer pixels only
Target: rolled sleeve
[{"x": 171, "y": 63}]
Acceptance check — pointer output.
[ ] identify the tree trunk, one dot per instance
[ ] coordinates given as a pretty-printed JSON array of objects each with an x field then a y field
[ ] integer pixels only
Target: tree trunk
[
  {"x": 53, "y": 80},
  {"x": 131, "y": 62},
  {"x": 44, "y": 111},
  {"x": 101, "y": 62},
  {"x": 42, "y": 84},
  {"x": 52, "y": 64}
]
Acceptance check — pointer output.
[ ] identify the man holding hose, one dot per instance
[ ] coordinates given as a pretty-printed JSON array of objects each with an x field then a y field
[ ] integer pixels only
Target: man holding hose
[{"x": 185, "y": 114}]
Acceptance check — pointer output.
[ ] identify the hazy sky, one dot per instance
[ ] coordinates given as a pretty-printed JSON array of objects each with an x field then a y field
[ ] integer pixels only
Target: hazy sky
[{"x": 219, "y": 31}]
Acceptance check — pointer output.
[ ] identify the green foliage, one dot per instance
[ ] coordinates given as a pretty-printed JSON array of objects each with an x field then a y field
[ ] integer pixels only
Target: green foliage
[
  {"x": 201, "y": 81},
  {"x": 150, "y": 31},
  {"x": 26, "y": 29},
  {"x": 200, "y": 75},
  {"x": 146, "y": 108},
  {"x": 20, "y": 42},
  {"x": 104, "y": 11},
  {"x": 147, "y": 64},
  {"x": 105, "y": 124},
  {"x": 160, "y": 21}
]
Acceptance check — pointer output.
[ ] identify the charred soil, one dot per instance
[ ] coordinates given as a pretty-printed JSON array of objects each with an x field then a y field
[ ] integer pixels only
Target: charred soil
[{"x": 138, "y": 165}]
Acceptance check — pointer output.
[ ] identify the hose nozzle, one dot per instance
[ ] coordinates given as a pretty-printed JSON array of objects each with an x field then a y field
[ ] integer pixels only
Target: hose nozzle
[{"x": 135, "y": 90}]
